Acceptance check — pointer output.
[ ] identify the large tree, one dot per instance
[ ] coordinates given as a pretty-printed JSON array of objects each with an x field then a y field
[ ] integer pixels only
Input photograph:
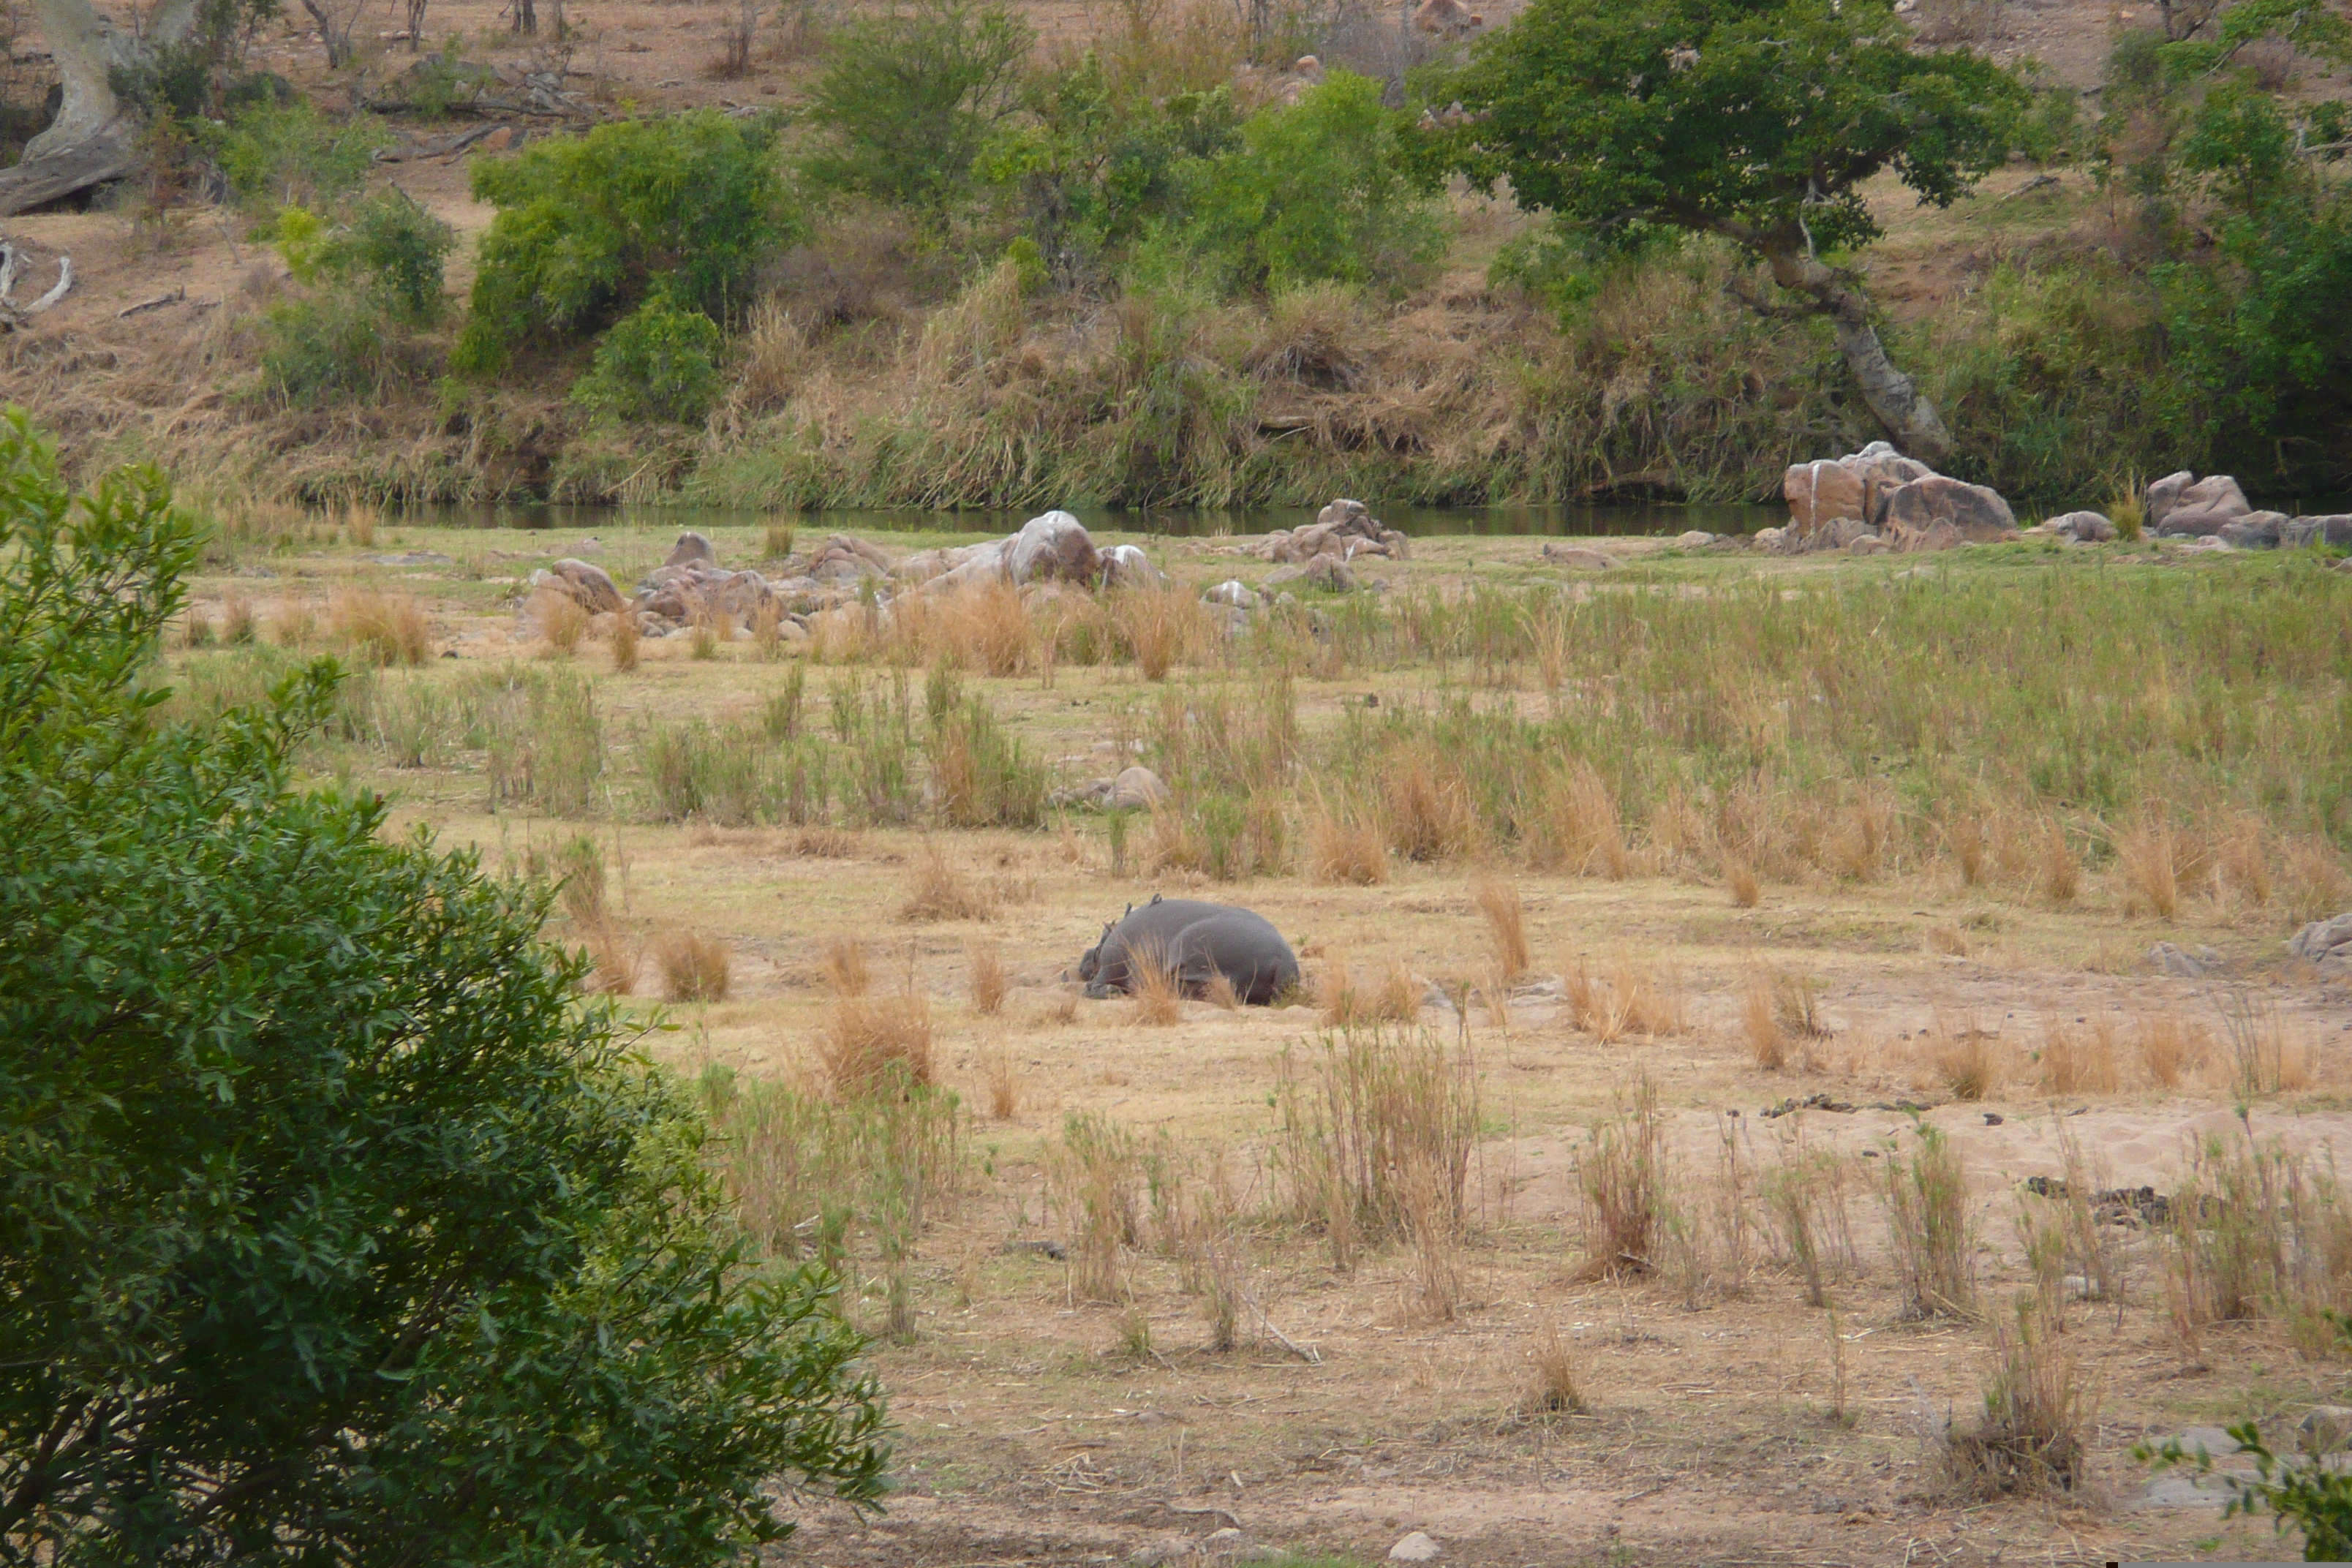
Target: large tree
[
  {"x": 333, "y": 1229},
  {"x": 1758, "y": 120}
]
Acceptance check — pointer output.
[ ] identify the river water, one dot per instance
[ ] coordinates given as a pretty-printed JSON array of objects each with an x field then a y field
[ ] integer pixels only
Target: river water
[{"x": 1628, "y": 519}]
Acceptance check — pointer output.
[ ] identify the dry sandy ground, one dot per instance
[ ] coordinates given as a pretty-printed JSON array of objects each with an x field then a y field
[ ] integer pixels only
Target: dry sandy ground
[{"x": 1031, "y": 1430}]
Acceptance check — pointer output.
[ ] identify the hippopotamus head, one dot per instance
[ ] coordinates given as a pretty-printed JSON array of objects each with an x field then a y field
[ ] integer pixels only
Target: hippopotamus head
[{"x": 1090, "y": 961}]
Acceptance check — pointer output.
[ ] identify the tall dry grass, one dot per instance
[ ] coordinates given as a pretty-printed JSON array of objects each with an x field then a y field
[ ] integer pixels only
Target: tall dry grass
[
  {"x": 2040, "y": 1412},
  {"x": 1347, "y": 1000},
  {"x": 627, "y": 635},
  {"x": 1621, "y": 1175},
  {"x": 1346, "y": 848},
  {"x": 1506, "y": 923},
  {"x": 694, "y": 967},
  {"x": 385, "y": 629},
  {"x": 988, "y": 981},
  {"x": 938, "y": 890},
  {"x": 872, "y": 1044},
  {"x": 1931, "y": 1235}
]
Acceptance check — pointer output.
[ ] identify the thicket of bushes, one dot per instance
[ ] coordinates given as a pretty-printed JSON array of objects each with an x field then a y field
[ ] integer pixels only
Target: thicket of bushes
[{"x": 962, "y": 275}]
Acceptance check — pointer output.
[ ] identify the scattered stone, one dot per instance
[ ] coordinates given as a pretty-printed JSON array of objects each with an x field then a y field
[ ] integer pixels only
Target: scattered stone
[
  {"x": 412, "y": 558},
  {"x": 680, "y": 592},
  {"x": 1126, "y": 566},
  {"x": 1993, "y": 1118},
  {"x": 2188, "y": 965},
  {"x": 2325, "y": 1427},
  {"x": 691, "y": 546},
  {"x": 1224, "y": 1539},
  {"x": 844, "y": 558},
  {"x": 1696, "y": 539},
  {"x": 2202, "y": 508},
  {"x": 1159, "y": 1553},
  {"x": 1331, "y": 575},
  {"x": 1346, "y": 529},
  {"x": 1137, "y": 788},
  {"x": 1811, "y": 1102},
  {"x": 1866, "y": 544},
  {"x": 1414, "y": 1548},
  {"x": 2214, "y": 1440},
  {"x": 2325, "y": 942},
  {"x": 2187, "y": 1489},
  {"x": 1053, "y": 1250},
  {"x": 1577, "y": 558},
  {"x": 1770, "y": 538},
  {"x": 1232, "y": 593}
]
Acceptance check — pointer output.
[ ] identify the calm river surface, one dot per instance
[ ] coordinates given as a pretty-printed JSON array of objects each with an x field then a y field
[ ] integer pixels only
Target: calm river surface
[{"x": 1630, "y": 519}]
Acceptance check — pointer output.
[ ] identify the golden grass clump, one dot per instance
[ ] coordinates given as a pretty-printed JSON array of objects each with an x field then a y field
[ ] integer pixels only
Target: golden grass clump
[
  {"x": 781, "y": 531},
  {"x": 238, "y": 625},
  {"x": 709, "y": 627},
  {"x": 1928, "y": 1231},
  {"x": 1158, "y": 624},
  {"x": 627, "y": 635},
  {"x": 1152, "y": 979},
  {"x": 1621, "y": 1175},
  {"x": 2040, "y": 1412},
  {"x": 868, "y": 1041},
  {"x": 1345, "y": 1002},
  {"x": 939, "y": 892},
  {"x": 2147, "y": 852},
  {"x": 2080, "y": 1060},
  {"x": 1629, "y": 1000},
  {"x": 1582, "y": 829},
  {"x": 1429, "y": 815},
  {"x": 1349, "y": 849},
  {"x": 1740, "y": 881},
  {"x": 1969, "y": 1061},
  {"x": 693, "y": 968},
  {"x": 1505, "y": 922},
  {"x": 297, "y": 623},
  {"x": 2171, "y": 1048},
  {"x": 1760, "y": 1022},
  {"x": 388, "y": 628},
  {"x": 983, "y": 627},
  {"x": 987, "y": 983},
  {"x": 1003, "y": 1085},
  {"x": 2059, "y": 866},
  {"x": 618, "y": 966},
  {"x": 1555, "y": 1386},
  {"x": 844, "y": 967},
  {"x": 563, "y": 623},
  {"x": 1220, "y": 992}
]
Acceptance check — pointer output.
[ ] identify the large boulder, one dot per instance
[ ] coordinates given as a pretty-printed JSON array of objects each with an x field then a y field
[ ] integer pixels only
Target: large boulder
[
  {"x": 692, "y": 547},
  {"x": 586, "y": 585},
  {"x": 1576, "y": 558},
  {"x": 1126, "y": 566},
  {"x": 2204, "y": 508},
  {"x": 2163, "y": 495},
  {"x": 2082, "y": 527},
  {"x": 1054, "y": 547},
  {"x": 975, "y": 563},
  {"x": 1346, "y": 529},
  {"x": 2255, "y": 530},
  {"x": 845, "y": 558},
  {"x": 2325, "y": 942},
  {"x": 2302, "y": 533},
  {"x": 1937, "y": 511},
  {"x": 685, "y": 591},
  {"x": 1854, "y": 487}
]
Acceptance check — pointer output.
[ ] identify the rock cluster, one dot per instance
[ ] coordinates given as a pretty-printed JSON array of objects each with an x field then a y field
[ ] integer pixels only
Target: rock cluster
[
  {"x": 2326, "y": 942},
  {"x": 1877, "y": 498},
  {"x": 2182, "y": 506},
  {"x": 1345, "y": 530}
]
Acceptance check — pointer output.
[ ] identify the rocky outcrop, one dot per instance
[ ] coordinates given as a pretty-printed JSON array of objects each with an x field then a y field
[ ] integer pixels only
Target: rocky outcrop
[
  {"x": 585, "y": 584},
  {"x": 2255, "y": 530},
  {"x": 1127, "y": 566},
  {"x": 2082, "y": 527},
  {"x": 2325, "y": 942},
  {"x": 1054, "y": 547},
  {"x": 692, "y": 547},
  {"x": 845, "y": 558},
  {"x": 696, "y": 588},
  {"x": 2302, "y": 533},
  {"x": 2197, "y": 509},
  {"x": 1879, "y": 493},
  {"x": 1346, "y": 529},
  {"x": 1575, "y": 557}
]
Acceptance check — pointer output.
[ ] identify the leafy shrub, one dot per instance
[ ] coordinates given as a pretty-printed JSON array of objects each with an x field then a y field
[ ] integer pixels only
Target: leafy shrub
[
  {"x": 658, "y": 363},
  {"x": 1315, "y": 192},
  {"x": 392, "y": 245},
  {"x": 589, "y": 227},
  {"x": 286, "y": 153},
  {"x": 911, "y": 94},
  {"x": 203, "y": 75},
  {"x": 338, "y": 1231}
]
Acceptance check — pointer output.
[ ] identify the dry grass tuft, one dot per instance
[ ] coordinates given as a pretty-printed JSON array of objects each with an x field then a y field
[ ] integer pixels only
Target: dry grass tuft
[
  {"x": 2080, "y": 1061},
  {"x": 1556, "y": 1389},
  {"x": 627, "y": 635},
  {"x": 1429, "y": 815},
  {"x": 1159, "y": 997},
  {"x": 987, "y": 983},
  {"x": 296, "y": 625},
  {"x": 2059, "y": 868},
  {"x": 1582, "y": 829},
  {"x": 1630, "y": 999},
  {"x": 1969, "y": 1061},
  {"x": 1432, "y": 1221},
  {"x": 1350, "y": 849},
  {"x": 238, "y": 625},
  {"x": 1505, "y": 921},
  {"x": 618, "y": 966},
  {"x": 2171, "y": 1048},
  {"x": 2039, "y": 1413},
  {"x": 1622, "y": 1175},
  {"x": 1220, "y": 992},
  {"x": 1345, "y": 1002},
  {"x": 563, "y": 623},
  {"x": 710, "y": 629},
  {"x": 878, "y": 1043},
  {"x": 693, "y": 968},
  {"x": 1740, "y": 881},
  {"x": 387, "y": 628},
  {"x": 1002, "y": 1083},
  {"x": 940, "y": 893},
  {"x": 2147, "y": 851},
  {"x": 845, "y": 968},
  {"x": 1158, "y": 624},
  {"x": 1767, "y": 1041},
  {"x": 1927, "y": 1228}
]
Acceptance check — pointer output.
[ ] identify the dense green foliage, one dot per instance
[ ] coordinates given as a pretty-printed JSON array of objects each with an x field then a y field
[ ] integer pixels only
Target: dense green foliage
[
  {"x": 288, "y": 153},
  {"x": 589, "y": 227},
  {"x": 2312, "y": 1498},
  {"x": 658, "y": 362},
  {"x": 1316, "y": 193},
  {"x": 910, "y": 95},
  {"x": 369, "y": 282},
  {"x": 332, "y": 1228},
  {"x": 1753, "y": 118}
]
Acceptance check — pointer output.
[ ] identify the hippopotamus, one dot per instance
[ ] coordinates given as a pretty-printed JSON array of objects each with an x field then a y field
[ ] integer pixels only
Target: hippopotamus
[{"x": 1199, "y": 942}]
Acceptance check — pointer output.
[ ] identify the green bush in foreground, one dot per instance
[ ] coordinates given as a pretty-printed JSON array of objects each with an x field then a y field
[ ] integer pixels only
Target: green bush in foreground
[{"x": 331, "y": 1229}]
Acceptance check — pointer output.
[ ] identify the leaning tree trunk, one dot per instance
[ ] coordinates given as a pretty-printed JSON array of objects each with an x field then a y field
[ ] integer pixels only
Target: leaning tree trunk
[
  {"x": 1892, "y": 396},
  {"x": 93, "y": 138}
]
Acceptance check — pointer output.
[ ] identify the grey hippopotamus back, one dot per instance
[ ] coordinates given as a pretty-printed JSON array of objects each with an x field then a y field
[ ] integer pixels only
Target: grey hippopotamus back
[{"x": 1197, "y": 941}]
